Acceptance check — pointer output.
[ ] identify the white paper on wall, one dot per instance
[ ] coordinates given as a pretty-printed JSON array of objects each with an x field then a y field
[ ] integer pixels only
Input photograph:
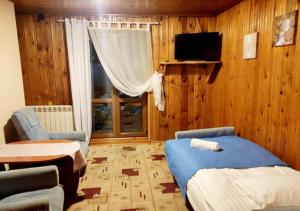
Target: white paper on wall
[{"x": 250, "y": 45}]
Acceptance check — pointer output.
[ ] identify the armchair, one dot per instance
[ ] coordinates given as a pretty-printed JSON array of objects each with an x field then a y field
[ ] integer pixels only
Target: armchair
[
  {"x": 29, "y": 127},
  {"x": 31, "y": 189}
]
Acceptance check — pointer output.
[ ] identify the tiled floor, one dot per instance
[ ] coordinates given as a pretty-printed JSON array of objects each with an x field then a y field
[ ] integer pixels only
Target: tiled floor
[{"x": 128, "y": 178}]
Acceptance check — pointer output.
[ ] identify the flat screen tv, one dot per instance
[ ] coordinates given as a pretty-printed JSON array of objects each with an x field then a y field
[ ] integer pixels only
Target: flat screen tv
[{"x": 198, "y": 46}]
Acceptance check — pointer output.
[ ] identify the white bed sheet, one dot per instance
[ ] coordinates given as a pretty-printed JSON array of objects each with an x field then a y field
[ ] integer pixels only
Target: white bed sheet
[{"x": 213, "y": 189}]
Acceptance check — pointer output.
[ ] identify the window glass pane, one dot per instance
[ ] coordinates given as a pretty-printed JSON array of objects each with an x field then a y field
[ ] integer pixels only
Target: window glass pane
[
  {"x": 102, "y": 87},
  {"x": 131, "y": 117},
  {"x": 122, "y": 95},
  {"x": 102, "y": 117}
]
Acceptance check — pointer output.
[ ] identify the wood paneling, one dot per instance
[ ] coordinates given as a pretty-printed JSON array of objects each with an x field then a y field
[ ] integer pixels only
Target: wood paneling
[
  {"x": 46, "y": 79},
  {"x": 121, "y": 7},
  {"x": 44, "y": 61},
  {"x": 184, "y": 85},
  {"x": 259, "y": 97}
]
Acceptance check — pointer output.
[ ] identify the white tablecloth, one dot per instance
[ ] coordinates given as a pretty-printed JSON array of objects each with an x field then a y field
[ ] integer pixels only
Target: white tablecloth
[{"x": 71, "y": 149}]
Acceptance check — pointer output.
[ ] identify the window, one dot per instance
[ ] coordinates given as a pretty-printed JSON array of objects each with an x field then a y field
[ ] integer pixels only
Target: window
[{"x": 115, "y": 114}]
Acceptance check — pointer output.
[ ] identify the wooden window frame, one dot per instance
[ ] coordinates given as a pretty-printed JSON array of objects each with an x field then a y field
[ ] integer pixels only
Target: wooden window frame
[{"x": 116, "y": 102}]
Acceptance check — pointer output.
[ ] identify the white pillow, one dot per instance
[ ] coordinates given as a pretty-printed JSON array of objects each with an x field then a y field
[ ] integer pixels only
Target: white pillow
[{"x": 272, "y": 190}]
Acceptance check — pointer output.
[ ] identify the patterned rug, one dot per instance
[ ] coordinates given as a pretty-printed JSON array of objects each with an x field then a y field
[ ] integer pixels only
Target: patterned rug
[{"x": 128, "y": 178}]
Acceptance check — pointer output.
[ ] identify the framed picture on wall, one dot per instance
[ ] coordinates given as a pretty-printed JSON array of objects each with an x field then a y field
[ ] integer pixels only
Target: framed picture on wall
[
  {"x": 250, "y": 45},
  {"x": 285, "y": 29}
]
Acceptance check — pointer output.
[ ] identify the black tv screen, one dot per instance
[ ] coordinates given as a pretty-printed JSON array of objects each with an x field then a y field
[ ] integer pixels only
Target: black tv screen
[{"x": 198, "y": 46}]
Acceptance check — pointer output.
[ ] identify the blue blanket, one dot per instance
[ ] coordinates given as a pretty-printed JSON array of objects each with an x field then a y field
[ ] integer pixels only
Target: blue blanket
[{"x": 184, "y": 161}]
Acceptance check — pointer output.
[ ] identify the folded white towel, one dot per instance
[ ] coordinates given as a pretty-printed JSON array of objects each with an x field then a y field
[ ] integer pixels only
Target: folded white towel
[{"x": 209, "y": 145}]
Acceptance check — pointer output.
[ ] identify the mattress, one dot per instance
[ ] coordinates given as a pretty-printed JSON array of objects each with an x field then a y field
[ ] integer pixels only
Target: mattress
[
  {"x": 213, "y": 189},
  {"x": 237, "y": 153}
]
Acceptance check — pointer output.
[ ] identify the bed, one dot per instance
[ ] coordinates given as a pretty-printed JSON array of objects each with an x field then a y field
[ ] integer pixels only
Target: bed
[{"x": 239, "y": 177}]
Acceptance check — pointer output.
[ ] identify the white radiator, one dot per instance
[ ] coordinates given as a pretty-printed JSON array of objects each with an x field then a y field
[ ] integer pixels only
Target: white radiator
[{"x": 58, "y": 118}]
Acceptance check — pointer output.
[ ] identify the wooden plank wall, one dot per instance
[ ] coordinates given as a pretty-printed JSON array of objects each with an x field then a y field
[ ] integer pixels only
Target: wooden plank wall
[
  {"x": 259, "y": 97},
  {"x": 184, "y": 85},
  {"x": 44, "y": 60}
]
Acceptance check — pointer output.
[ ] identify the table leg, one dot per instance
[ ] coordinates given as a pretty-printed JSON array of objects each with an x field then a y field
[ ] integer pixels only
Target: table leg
[{"x": 67, "y": 177}]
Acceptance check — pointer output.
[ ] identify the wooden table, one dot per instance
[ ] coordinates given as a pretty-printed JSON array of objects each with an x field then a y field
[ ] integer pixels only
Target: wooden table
[
  {"x": 67, "y": 177},
  {"x": 33, "y": 159}
]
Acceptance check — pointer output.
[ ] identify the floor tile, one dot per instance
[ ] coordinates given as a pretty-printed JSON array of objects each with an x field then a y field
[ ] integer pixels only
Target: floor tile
[
  {"x": 181, "y": 204},
  {"x": 144, "y": 205},
  {"x": 139, "y": 195},
  {"x": 119, "y": 206},
  {"x": 121, "y": 185},
  {"x": 166, "y": 205},
  {"x": 121, "y": 196},
  {"x": 140, "y": 184}
]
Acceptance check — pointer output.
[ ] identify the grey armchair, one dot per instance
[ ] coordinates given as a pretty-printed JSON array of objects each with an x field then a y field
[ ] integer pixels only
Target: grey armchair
[
  {"x": 31, "y": 189},
  {"x": 29, "y": 127}
]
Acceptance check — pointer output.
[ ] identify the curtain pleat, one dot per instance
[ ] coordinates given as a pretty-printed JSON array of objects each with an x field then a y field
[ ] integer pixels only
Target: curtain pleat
[
  {"x": 80, "y": 73},
  {"x": 126, "y": 57}
]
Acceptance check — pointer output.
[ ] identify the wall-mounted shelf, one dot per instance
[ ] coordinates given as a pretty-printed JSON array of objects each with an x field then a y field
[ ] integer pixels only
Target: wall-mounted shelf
[
  {"x": 215, "y": 68},
  {"x": 189, "y": 62}
]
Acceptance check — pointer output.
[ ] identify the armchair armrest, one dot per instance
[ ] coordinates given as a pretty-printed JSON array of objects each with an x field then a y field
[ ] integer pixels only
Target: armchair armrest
[
  {"x": 74, "y": 135},
  {"x": 26, "y": 205},
  {"x": 206, "y": 133},
  {"x": 29, "y": 179}
]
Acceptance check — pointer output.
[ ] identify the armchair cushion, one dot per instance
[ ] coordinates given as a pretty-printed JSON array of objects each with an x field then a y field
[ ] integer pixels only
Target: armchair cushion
[
  {"x": 30, "y": 179},
  {"x": 74, "y": 135},
  {"x": 28, "y": 125},
  {"x": 206, "y": 133},
  {"x": 55, "y": 197}
]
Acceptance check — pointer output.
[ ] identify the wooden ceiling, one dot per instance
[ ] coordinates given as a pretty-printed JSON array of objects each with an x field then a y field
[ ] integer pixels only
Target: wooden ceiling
[{"x": 124, "y": 7}]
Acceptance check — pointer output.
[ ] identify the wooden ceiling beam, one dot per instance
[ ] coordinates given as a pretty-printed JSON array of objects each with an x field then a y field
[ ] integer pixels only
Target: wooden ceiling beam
[{"x": 125, "y": 7}]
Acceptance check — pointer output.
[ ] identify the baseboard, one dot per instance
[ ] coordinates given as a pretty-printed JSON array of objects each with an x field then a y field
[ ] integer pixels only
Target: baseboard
[{"x": 131, "y": 140}]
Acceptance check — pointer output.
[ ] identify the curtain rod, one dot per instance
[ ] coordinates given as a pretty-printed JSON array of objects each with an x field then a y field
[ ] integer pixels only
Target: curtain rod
[{"x": 116, "y": 22}]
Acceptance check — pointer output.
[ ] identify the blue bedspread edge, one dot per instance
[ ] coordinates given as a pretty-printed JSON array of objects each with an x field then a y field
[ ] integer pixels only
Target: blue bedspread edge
[{"x": 238, "y": 153}]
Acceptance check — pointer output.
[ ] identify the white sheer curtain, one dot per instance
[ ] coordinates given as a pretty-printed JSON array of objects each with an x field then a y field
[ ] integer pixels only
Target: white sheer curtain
[
  {"x": 126, "y": 57},
  {"x": 80, "y": 73}
]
